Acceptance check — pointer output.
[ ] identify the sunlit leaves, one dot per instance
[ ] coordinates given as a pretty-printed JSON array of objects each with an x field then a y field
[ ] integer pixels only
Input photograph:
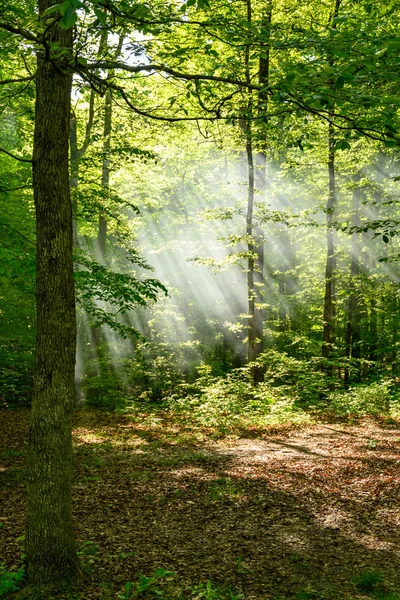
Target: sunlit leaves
[
  {"x": 67, "y": 10},
  {"x": 105, "y": 294}
]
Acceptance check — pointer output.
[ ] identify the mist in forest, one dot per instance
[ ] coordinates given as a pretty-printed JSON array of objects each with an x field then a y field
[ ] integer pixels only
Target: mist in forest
[{"x": 193, "y": 237}]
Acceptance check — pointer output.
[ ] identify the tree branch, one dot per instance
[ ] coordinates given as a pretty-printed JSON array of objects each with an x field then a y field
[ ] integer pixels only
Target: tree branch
[
  {"x": 110, "y": 65},
  {"x": 25, "y": 160},
  {"x": 19, "y": 233},
  {"x": 20, "y": 80},
  {"x": 16, "y": 189},
  {"x": 22, "y": 32}
]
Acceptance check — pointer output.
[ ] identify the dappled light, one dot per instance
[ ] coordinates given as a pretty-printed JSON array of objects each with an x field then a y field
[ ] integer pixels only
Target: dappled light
[
  {"x": 311, "y": 506},
  {"x": 199, "y": 300}
]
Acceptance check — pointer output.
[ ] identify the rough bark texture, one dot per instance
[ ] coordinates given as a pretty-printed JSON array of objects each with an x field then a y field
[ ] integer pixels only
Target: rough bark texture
[
  {"x": 329, "y": 298},
  {"x": 50, "y": 546}
]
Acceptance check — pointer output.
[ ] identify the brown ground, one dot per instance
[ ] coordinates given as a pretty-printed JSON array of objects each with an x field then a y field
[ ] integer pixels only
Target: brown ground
[{"x": 266, "y": 515}]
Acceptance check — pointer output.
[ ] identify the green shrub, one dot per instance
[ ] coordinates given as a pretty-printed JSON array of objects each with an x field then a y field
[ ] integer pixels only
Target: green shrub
[
  {"x": 233, "y": 401},
  {"x": 301, "y": 380},
  {"x": 208, "y": 591},
  {"x": 369, "y": 581},
  {"x": 146, "y": 587},
  {"x": 374, "y": 399},
  {"x": 10, "y": 580}
]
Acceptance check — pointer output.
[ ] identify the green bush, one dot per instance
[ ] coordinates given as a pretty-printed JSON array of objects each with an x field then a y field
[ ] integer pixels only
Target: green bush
[
  {"x": 233, "y": 401},
  {"x": 10, "y": 580},
  {"x": 369, "y": 581},
  {"x": 301, "y": 380},
  {"x": 372, "y": 399}
]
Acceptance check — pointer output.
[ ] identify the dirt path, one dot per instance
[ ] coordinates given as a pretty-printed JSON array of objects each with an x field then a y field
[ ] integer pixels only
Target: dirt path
[{"x": 284, "y": 514}]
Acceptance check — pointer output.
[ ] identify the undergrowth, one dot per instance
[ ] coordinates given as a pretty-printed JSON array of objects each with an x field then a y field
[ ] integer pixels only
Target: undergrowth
[
  {"x": 293, "y": 392},
  {"x": 10, "y": 580}
]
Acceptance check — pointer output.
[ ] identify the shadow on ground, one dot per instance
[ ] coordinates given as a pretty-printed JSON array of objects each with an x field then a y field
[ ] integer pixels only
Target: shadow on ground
[{"x": 305, "y": 510}]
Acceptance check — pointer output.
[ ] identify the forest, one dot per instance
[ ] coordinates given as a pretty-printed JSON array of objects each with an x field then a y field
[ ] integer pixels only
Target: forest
[{"x": 199, "y": 299}]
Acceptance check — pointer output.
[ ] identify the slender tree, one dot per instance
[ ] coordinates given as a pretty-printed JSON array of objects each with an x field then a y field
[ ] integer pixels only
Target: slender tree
[{"x": 352, "y": 339}]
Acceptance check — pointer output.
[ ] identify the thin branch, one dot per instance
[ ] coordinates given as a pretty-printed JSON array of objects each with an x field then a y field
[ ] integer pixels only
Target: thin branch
[
  {"x": 16, "y": 189},
  {"x": 19, "y": 233},
  {"x": 328, "y": 116},
  {"x": 25, "y": 160},
  {"x": 20, "y": 31},
  {"x": 110, "y": 65},
  {"x": 20, "y": 80}
]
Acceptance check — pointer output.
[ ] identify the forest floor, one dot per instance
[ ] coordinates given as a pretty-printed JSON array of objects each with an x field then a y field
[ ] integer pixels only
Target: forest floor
[{"x": 308, "y": 513}]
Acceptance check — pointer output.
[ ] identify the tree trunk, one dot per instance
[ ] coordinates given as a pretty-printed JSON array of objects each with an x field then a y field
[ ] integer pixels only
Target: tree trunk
[
  {"x": 251, "y": 295},
  {"x": 352, "y": 341},
  {"x": 329, "y": 299},
  {"x": 373, "y": 331},
  {"x": 74, "y": 177},
  {"x": 330, "y": 287},
  {"x": 105, "y": 176},
  {"x": 50, "y": 546}
]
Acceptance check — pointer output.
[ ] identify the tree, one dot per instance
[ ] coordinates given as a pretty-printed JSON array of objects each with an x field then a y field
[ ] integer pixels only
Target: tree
[{"x": 50, "y": 544}]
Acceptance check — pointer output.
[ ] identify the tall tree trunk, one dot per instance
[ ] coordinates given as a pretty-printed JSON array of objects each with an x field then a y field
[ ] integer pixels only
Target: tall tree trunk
[
  {"x": 74, "y": 177},
  {"x": 50, "y": 545},
  {"x": 330, "y": 284},
  {"x": 251, "y": 292},
  {"x": 105, "y": 176},
  {"x": 373, "y": 331},
  {"x": 254, "y": 233},
  {"x": 260, "y": 184},
  {"x": 329, "y": 299},
  {"x": 352, "y": 340},
  {"x": 255, "y": 269},
  {"x": 76, "y": 154}
]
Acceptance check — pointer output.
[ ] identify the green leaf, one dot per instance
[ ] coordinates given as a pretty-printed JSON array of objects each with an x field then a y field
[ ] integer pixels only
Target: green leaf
[
  {"x": 340, "y": 81},
  {"x": 69, "y": 18},
  {"x": 342, "y": 145}
]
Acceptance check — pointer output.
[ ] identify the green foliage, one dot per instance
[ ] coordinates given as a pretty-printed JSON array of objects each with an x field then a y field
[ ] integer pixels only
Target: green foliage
[
  {"x": 307, "y": 594},
  {"x": 298, "y": 379},
  {"x": 102, "y": 388},
  {"x": 209, "y": 591},
  {"x": 121, "y": 292},
  {"x": 88, "y": 548},
  {"x": 10, "y": 580},
  {"x": 224, "y": 489},
  {"x": 376, "y": 398},
  {"x": 231, "y": 402},
  {"x": 87, "y": 552},
  {"x": 147, "y": 587},
  {"x": 369, "y": 581}
]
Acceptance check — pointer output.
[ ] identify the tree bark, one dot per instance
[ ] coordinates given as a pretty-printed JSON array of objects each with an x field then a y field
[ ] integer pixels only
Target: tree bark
[
  {"x": 50, "y": 546},
  {"x": 105, "y": 176},
  {"x": 255, "y": 235},
  {"x": 329, "y": 298},
  {"x": 352, "y": 346}
]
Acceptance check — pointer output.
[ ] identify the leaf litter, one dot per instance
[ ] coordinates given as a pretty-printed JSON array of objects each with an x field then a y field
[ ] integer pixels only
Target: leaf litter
[{"x": 272, "y": 514}]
